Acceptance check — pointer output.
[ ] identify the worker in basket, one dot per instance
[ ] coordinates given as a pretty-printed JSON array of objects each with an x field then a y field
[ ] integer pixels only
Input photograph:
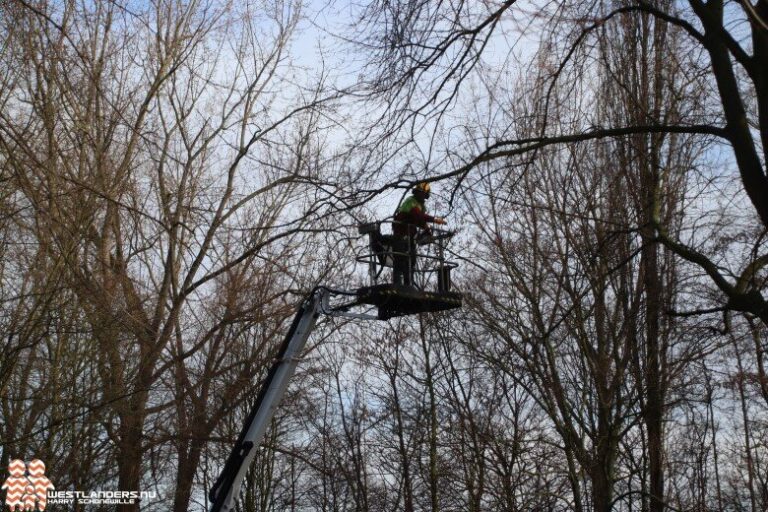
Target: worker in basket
[{"x": 410, "y": 221}]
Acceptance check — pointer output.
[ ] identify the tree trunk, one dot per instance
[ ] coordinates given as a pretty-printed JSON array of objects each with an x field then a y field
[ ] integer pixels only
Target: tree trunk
[
  {"x": 602, "y": 490},
  {"x": 653, "y": 413},
  {"x": 129, "y": 461},
  {"x": 185, "y": 476}
]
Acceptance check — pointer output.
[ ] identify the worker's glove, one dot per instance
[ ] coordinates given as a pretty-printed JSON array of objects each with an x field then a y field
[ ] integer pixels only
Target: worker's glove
[{"x": 439, "y": 220}]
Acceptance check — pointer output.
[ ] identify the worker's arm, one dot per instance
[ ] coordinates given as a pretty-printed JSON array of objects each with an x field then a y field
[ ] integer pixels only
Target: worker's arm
[{"x": 421, "y": 218}]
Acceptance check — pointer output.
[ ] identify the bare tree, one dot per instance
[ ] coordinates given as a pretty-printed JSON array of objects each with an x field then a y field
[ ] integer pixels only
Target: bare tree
[
  {"x": 164, "y": 177},
  {"x": 425, "y": 54}
]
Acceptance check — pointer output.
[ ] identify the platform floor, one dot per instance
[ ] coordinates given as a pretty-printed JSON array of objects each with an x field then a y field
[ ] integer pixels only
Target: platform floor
[{"x": 397, "y": 300}]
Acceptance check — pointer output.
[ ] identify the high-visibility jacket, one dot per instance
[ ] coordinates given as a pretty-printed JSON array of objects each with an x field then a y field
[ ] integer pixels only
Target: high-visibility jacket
[{"x": 410, "y": 215}]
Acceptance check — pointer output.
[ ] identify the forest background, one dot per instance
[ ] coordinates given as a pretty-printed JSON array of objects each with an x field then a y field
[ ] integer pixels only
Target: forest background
[{"x": 177, "y": 175}]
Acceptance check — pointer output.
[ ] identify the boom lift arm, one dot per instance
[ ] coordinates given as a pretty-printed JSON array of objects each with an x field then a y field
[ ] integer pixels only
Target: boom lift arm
[
  {"x": 391, "y": 299},
  {"x": 227, "y": 486}
]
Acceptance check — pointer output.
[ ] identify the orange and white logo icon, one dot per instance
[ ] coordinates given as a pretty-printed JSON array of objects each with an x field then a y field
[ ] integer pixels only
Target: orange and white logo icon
[
  {"x": 27, "y": 486},
  {"x": 16, "y": 484}
]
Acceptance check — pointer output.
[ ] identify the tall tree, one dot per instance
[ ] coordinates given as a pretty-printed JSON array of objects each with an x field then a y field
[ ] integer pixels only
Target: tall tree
[{"x": 160, "y": 168}]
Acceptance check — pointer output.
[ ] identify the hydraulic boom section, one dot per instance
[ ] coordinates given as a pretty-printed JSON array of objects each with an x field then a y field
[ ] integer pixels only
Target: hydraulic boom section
[{"x": 227, "y": 486}]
